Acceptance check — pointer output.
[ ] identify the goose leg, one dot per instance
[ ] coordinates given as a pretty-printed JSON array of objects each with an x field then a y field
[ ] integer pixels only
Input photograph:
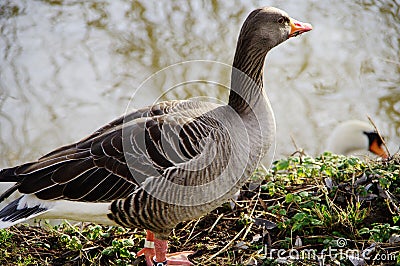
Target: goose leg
[
  {"x": 148, "y": 250},
  {"x": 155, "y": 252}
]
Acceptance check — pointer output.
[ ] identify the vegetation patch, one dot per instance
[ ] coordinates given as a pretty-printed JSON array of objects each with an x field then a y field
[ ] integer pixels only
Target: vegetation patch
[{"x": 303, "y": 211}]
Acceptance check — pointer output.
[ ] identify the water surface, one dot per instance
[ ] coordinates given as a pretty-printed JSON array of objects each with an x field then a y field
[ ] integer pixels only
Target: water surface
[{"x": 68, "y": 67}]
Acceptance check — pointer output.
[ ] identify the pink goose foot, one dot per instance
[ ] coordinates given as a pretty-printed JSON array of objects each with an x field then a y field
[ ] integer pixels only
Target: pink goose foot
[{"x": 155, "y": 252}]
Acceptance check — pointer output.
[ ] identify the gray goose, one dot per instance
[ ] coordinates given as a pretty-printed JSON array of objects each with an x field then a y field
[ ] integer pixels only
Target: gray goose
[{"x": 163, "y": 164}]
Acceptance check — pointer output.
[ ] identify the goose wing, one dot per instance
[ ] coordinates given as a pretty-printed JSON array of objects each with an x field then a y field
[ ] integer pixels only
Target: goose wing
[{"x": 116, "y": 159}]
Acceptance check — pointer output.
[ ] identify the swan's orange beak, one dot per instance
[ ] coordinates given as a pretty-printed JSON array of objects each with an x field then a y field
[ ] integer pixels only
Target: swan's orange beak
[
  {"x": 298, "y": 27},
  {"x": 378, "y": 149}
]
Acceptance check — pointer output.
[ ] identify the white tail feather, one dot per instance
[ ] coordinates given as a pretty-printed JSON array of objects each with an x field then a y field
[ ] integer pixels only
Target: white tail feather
[{"x": 29, "y": 206}]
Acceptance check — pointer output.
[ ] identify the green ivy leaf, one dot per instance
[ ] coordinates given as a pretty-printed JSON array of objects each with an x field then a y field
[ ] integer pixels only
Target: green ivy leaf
[
  {"x": 282, "y": 165},
  {"x": 289, "y": 198}
]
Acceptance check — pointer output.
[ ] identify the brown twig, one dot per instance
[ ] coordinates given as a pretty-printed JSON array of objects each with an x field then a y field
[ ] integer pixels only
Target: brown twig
[
  {"x": 379, "y": 134},
  {"x": 215, "y": 223},
  {"x": 226, "y": 246},
  {"x": 191, "y": 232}
]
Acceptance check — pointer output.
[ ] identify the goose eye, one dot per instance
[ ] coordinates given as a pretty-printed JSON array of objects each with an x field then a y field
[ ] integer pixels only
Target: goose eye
[{"x": 281, "y": 20}]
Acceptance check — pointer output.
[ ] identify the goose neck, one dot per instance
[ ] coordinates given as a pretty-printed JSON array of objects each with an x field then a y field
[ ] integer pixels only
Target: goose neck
[{"x": 247, "y": 78}]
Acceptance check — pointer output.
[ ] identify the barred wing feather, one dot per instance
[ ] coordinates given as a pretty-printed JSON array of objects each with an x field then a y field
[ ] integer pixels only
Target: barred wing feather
[{"x": 96, "y": 169}]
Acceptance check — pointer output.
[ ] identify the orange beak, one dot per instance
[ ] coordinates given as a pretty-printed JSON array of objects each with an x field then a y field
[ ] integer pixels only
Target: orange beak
[
  {"x": 377, "y": 149},
  {"x": 298, "y": 27}
]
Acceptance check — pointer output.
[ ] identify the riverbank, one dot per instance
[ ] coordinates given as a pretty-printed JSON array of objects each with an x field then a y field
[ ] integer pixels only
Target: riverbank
[{"x": 304, "y": 210}]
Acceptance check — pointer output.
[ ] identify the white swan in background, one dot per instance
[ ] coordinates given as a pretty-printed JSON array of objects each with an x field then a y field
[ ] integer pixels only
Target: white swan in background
[{"x": 353, "y": 136}]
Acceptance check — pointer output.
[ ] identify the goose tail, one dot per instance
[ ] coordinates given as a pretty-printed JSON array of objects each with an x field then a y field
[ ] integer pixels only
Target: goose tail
[{"x": 19, "y": 211}]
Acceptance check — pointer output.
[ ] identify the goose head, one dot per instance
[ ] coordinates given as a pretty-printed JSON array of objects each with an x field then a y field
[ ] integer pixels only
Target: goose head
[
  {"x": 263, "y": 29},
  {"x": 355, "y": 135},
  {"x": 267, "y": 27}
]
